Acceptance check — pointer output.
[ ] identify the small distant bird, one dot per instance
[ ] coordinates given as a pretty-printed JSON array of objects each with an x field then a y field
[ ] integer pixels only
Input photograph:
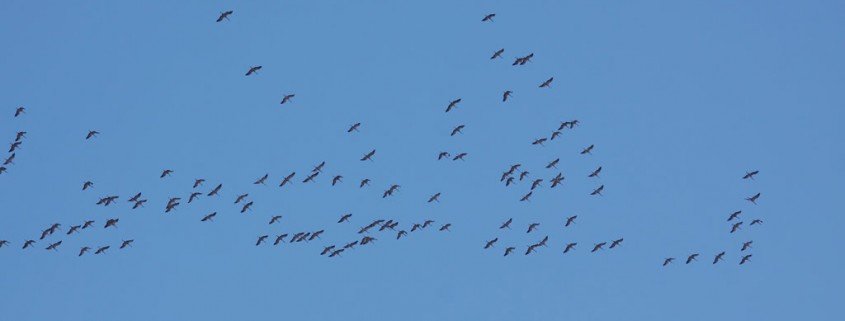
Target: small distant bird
[
  {"x": 509, "y": 250},
  {"x": 126, "y": 243},
  {"x": 209, "y": 217},
  {"x": 401, "y": 234},
  {"x": 287, "y": 179},
  {"x": 668, "y": 260},
  {"x": 92, "y": 134},
  {"x": 490, "y": 243},
  {"x": 20, "y": 111},
  {"x": 262, "y": 179},
  {"x": 87, "y": 224},
  {"x": 588, "y": 150},
  {"x": 539, "y": 141},
  {"x": 547, "y": 83},
  {"x": 530, "y": 249},
  {"x": 750, "y": 174},
  {"x": 14, "y": 146},
  {"x": 734, "y": 215},
  {"x": 446, "y": 227},
  {"x": 224, "y": 15},
  {"x": 598, "y": 190},
  {"x": 166, "y": 172},
  {"x": 279, "y": 239},
  {"x": 368, "y": 156},
  {"x": 434, "y": 198},
  {"x": 598, "y": 246},
  {"x": 506, "y": 224},
  {"x": 311, "y": 177},
  {"x": 526, "y": 197},
  {"x": 453, "y": 104},
  {"x": 287, "y": 98},
  {"x": 498, "y": 53},
  {"x": 215, "y": 190},
  {"x": 261, "y": 239},
  {"x": 83, "y": 250},
  {"x": 353, "y": 128},
  {"x": 345, "y": 218},
  {"x": 691, "y": 258},
  {"x": 735, "y": 227},
  {"x": 10, "y": 159},
  {"x": 198, "y": 182},
  {"x": 555, "y": 134},
  {"x": 337, "y": 179},
  {"x": 756, "y": 222},
  {"x": 27, "y": 244},
  {"x": 193, "y": 196},
  {"x": 112, "y": 222},
  {"x": 54, "y": 246},
  {"x": 596, "y": 172},
  {"x": 319, "y": 167},
  {"x": 252, "y": 70},
  {"x": 745, "y": 259},
  {"x": 509, "y": 181},
  {"x": 135, "y": 198},
  {"x": 327, "y": 249},
  {"x": 536, "y": 183},
  {"x": 506, "y": 95},
  {"x": 488, "y": 17},
  {"x": 337, "y": 252},
  {"x": 460, "y": 156},
  {"x": 442, "y": 155},
  {"x": 569, "y": 247},
  {"x": 753, "y": 199},
  {"x": 19, "y": 136},
  {"x": 616, "y": 243},
  {"x": 553, "y": 164},
  {"x": 3, "y": 169},
  {"x": 457, "y": 130},
  {"x": 87, "y": 185},
  {"x": 523, "y": 175},
  {"x": 364, "y": 182},
  {"x": 746, "y": 245},
  {"x": 718, "y": 257},
  {"x": 3, "y": 243},
  {"x": 570, "y": 220},
  {"x": 246, "y": 207},
  {"x": 73, "y": 229},
  {"x": 241, "y": 198},
  {"x": 532, "y": 227},
  {"x": 275, "y": 219}
]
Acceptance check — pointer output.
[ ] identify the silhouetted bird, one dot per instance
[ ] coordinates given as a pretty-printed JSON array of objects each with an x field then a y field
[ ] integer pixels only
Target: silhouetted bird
[
  {"x": 20, "y": 111},
  {"x": 616, "y": 243},
  {"x": 736, "y": 227},
  {"x": 215, "y": 190},
  {"x": 252, "y": 70},
  {"x": 734, "y": 215},
  {"x": 287, "y": 98},
  {"x": 241, "y": 198},
  {"x": 539, "y": 141},
  {"x": 209, "y": 217},
  {"x": 319, "y": 167},
  {"x": 311, "y": 177},
  {"x": 275, "y": 219},
  {"x": 553, "y": 164},
  {"x": 490, "y": 243},
  {"x": 532, "y": 227},
  {"x": 598, "y": 246},
  {"x": 453, "y": 104},
  {"x": 497, "y": 53},
  {"x": 555, "y": 134},
  {"x": 460, "y": 156},
  {"x": 596, "y": 172},
  {"x": 753, "y": 199},
  {"x": 750, "y": 174},
  {"x": 262, "y": 179},
  {"x": 506, "y": 95},
  {"x": 746, "y": 245},
  {"x": 526, "y": 197},
  {"x": 488, "y": 17},
  {"x": 87, "y": 185},
  {"x": 126, "y": 243},
  {"x": 509, "y": 250},
  {"x": 246, "y": 207},
  {"x": 337, "y": 179},
  {"x": 718, "y": 257},
  {"x": 667, "y": 261},
  {"x": 166, "y": 172},
  {"x": 569, "y": 247},
  {"x": 691, "y": 258},
  {"x": 364, "y": 182},
  {"x": 20, "y": 135},
  {"x": 506, "y": 224},
  {"x": 92, "y": 134},
  {"x": 54, "y": 246},
  {"x": 547, "y": 83},
  {"x": 445, "y": 227},
  {"x": 28, "y": 243},
  {"x": 224, "y": 15},
  {"x": 87, "y": 224},
  {"x": 198, "y": 182},
  {"x": 598, "y": 190},
  {"x": 261, "y": 240},
  {"x": 570, "y": 220},
  {"x": 83, "y": 250},
  {"x": 434, "y": 198},
  {"x": 111, "y": 222},
  {"x": 756, "y": 222},
  {"x": 588, "y": 150},
  {"x": 457, "y": 130},
  {"x": 745, "y": 259},
  {"x": 287, "y": 179},
  {"x": 368, "y": 156}
]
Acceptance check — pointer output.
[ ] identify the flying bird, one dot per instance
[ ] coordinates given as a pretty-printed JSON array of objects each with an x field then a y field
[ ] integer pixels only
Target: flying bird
[
  {"x": 745, "y": 259},
  {"x": 166, "y": 172},
  {"x": 27, "y": 244},
  {"x": 261, "y": 180},
  {"x": 209, "y": 217},
  {"x": 20, "y": 111},
  {"x": 596, "y": 172},
  {"x": 198, "y": 182},
  {"x": 588, "y": 150},
  {"x": 570, "y": 220},
  {"x": 364, "y": 182},
  {"x": 311, "y": 177},
  {"x": 10, "y": 159},
  {"x": 598, "y": 190},
  {"x": 319, "y": 167},
  {"x": 20, "y": 135},
  {"x": 553, "y": 164},
  {"x": 523, "y": 175},
  {"x": 616, "y": 243},
  {"x": 536, "y": 183},
  {"x": 83, "y": 250},
  {"x": 252, "y": 70},
  {"x": 14, "y": 146},
  {"x": 287, "y": 179},
  {"x": 246, "y": 207},
  {"x": 126, "y": 243},
  {"x": 111, "y": 222},
  {"x": 532, "y": 227},
  {"x": 598, "y": 246},
  {"x": 539, "y": 141},
  {"x": 459, "y": 156},
  {"x": 457, "y": 130},
  {"x": 215, "y": 190},
  {"x": 497, "y": 54},
  {"x": 506, "y": 224},
  {"x": 453, "y": 104},
  {"x": 275, "y": 219},
  {"x": 224, "y": 15},
  {"x": 753, "y": 199},
  {"x": 261, "y": 239},
  {"x": 509, "y": 250},
  {"x": 547, "y": 83},
  {"x": 488, "y": 17},
  {"x": 506, "y": 95},
  {"x": 434, "y": 198},
  {"x": 734, "y": 215},
  {"x": 54, "y": 246},
  {"x": 746, "y": 245},
  {"x": 756, "y": 222},
  {"x": 668, "y": 260},
  {"x": 92, "y": 134},
  {"x": 337, "y": 179},
  {"x": 490, "y": 243},
  {"x": 353, "y": 128},
  {"x": 555, "y": 134},
  {"x": 345, "y": 218},
  {"x": 446, "y": 227},
  {"x": 241, "y": 198},
  {"x": 368, "y": 156},
  {"x": 442, "y": 155},
  {"x": 718, "y": 257},
  {"x": 87, "y": 185},
  {"x": 287, "y": 98},
  {"x": 193, "y": 196},
  {"x": 750, "y": 174},
  {"x": 526, "y": 197},
  {"x": 691, "y": 258},
  {"x": 736, "y": 227},
  {"x": 569, "y": 247}
]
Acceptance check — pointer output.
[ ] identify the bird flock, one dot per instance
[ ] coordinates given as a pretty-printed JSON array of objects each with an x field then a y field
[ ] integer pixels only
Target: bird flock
[{"x": 356, "y": 233}]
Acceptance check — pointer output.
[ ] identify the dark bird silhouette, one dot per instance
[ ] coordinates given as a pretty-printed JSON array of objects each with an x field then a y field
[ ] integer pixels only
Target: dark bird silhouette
[
  {"x": 488, "y": 17},
  {"x": 92, "y": 134},
  {"x": 106, "y": 201},
  {"x": 539, "y": 141},
  {"x": 532, "y": 227},
  {"x": 426, "y": 223},
  {"x": 275, "y": 219},
  {"x": 530, "y": 249},
  {"x": 126, "y": 243},
  {"x": 570, "y": 220},
  {"x": 506, "y": 224},
  {"x": 287, "y": 179},
  {"x": 750, "y": 174},
  {"x": 337, "y": 252},
  {"x": 509, "y": 250},
  {"x": 509, "y": 181},
  {"x": 19, "y": 136},
  {"x": 73, "y": 229},
  {"x": 401, "y": 234},
  {"x": 691, "y": 258},
  {"x": 87, "y": 185},
  {"x": 246, "y": 207},
  {"x": 498, "y": 53},
  {"x": 287, "y": 98},
  {"x": 543, "y": 241},
  {"x": 54, "y": 246},
  {"x": 718, "y": 257},
  {"x": 28, "y": 243},
  {"x": 553, "y": 164},
  {"x": 311, "y": 177},
  {"x": 10, "y": 159},
  {"x": 745, "y": 259},
  {"x": 279, "y": 239},
  {"x": 598, "y": 190},
  {"x": 506, "y": 95},
  {"x": 445, "y": 227},
  {"x": 598, "y": 246},
  {"x": 327, "y": 249},
  {"x": 2, "y": 169},
  {"x": 555, "y": 134},
  {"x": 756, "y": 222},
  {"x": 253, "y": 70},
  {"x": 215, "y": 190},
  {"x": 746, "y": 245},
  {"x": 547, "y": 83},
  {"x": 319, "y": 167},
  {"x": 457, "y": 130},
  {"x": 734, "y": 215},
  {"x": 224, "y": 15},
  {"x": 261, "y": 239},
  {"x": 14, "y": 146},
  {"x": 111, "y": 222},
  {"x": 523, "y": 175},
  {"x": 364, "y": 182},
  {"x": 345, "y": 218},
  {"x": 368, "y": 156},
  {"x": 668, "y": 260},
  {"x": 353, "y": 128},
  {"x": 490, "y": 243},
  {"x": 87, "y": 224},
  {"x": 166, "y": 172},
  {"x": 337, "y": 179},
  {"x": 616, "y": 243},
  {"x": 736, "y": 227},
  {"x": 557, "y": 180},
  {"x": 753, "y": 199},
  {"x": 261, "y": 180},
  {"x": 460, "y": 156},
  {"x": 3, "y": 243},
  {"x": 453, "y": 104},
  {"x": 20, "y": 111},
  {"x": 526, "y": 197},
  {"x": 596, "y": 172},
  {"x": 209, "y": 217},
  {"x": 536, "y": 183},
  {"x": 135, "y": 198},
  {"x": 83, "y": 250},
  {"x": 588, "y": 150},
  {"x": 434, "y": 198},
  {"x": 441, "y": 155},
  {"x": 138, "y": 204},
  {"x": 569, "y": 247}
]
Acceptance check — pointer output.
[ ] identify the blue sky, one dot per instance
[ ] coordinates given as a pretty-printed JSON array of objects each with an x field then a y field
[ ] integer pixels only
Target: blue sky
[{"x": 680, "y": 100}]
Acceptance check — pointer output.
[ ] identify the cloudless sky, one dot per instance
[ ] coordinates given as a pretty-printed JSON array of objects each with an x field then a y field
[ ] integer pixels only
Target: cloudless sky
[{"x": 680, "y": 99}]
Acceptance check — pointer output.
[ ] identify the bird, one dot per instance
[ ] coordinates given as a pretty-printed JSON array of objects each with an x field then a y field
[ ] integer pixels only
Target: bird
[
  {"x": 198, "y": 182},
  {"x": 10, "y": 159},
  {"x": 555, "y": 134},
  {"x": 19, "y": 136},
  {"x": 598, "y": 190},
  {"x": 598, "y": 246},
  {"x": 209, "y": 217},
  {"x": 750, "y": 174},
  {"x": 488, "y": 17},
  {"x": 287, "y": 179},
  {"x": 246, "y": 207},
  {"x": 734, "y": 215},
  {"x": 345, "y": 218},
  {"x": 746, "y": 245},
  {"x": 166, "y": 172},
  {"x": 509, "y": 250},
  {"x": 83, "y": 250},
  {"x": 364, "y": 182},
  {"x": 353, "y": 128},
  {"x": 311, "y": 177},
  {"x": 193, "y": 196},
  {"x": 497, "y": 53},
  {"x": 753, "y": 199},
  {"x": 14, "y": 146},
  {"x": 596, "y": 172},
  {"x": 588, "y": 150},
  {"x": 445, "y": 227},
  {"x": 547, "y": 83},
  {"x": 457, "y": 130},
  {"x": 569, "y": 247},
  {"x": 506, "y": 224},
  {"x": 337, "y": 179},
  {"x": 3, "y": 169},
  {"x": 287, "y": 98},
  {"x": 261, "y": 180},
  {"x": 368, "y": 156},
  {"x": 735, "y": 227},
  {"x": 490, "y": 243},
  {"x": 111, "y": 222},
  {"x": 215, "y": 190},
  {"x": 691, "y": 258},
  {"x": 536, "y": 183},
  {"x": 27, "y": 243},
  {"x": 745, "y": 259},
  {"x": 668, "y": 260},
  {"x": 553, "y": 164},
  {"x": 337, "y": 252},
  {"x": 54, "y": 246},
  {"x": 279, "y": 239},
  {"x": 87, "y": 224},
  {"x": 459, "y": 156},
  {"x": 3, "y": 243},
  {"x": 401, "y": 234},
  {"x": 523, "y": 175},
  {"x": 261, "y": 239},
  {"x": 532, "y": 227},
  {"x": 275, "y": 219},
  {"x": 253, "y": 69},
  {"x": 526, "y": 197},
  {"x": 92, "y": 134},
  {"x": 570, "y": 220},
  {"x": 530, "y": 249},
  {"x": 509, "y": 181},
  {"x": 319, "y": 167},
  {"x": 434, "y": 198},
  {"x": 87, "y": 185},
  {"x": 615, "y": 243},
  {"x": 756, "y": 222},
  {"x": 20, "y": 111},
  {"x": 73, "y": 229},
  {"x": 718, "y": 257},
  {"x": 126, "y": 243},
  {"x": 426, "y": 223},
  {"x": 224, "y": 15},
  {"x": 453, "y": 104},
  {"x": 539, "y": 141},
  {"x": 241, "y": 198}
]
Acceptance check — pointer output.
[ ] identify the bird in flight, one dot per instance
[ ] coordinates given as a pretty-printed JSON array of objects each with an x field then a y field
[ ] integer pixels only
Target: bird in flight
[
  {"x": 555, "y": 134},
  {"x": 746, "y": 245},
  {"x": 553, "y": 164},
  {"x": 598, "y": 246},
  {"x": 311, "y": 177},
  {"x": 224, "y": 15},
  {"x": 92, "y": 134},
  {"x": 28, "y": 243},
  {"x": 353, "y": 128},
  {"x": 193, "y": 196},
  {"x": 364, "y": 182},
  {"x": 20, "y": 135},
  {"x": 442, "y": 155},
  {"x": 616, "y": 243},
  {"x": 506, "y": 224},
  {"x": 198, "y": 182},
  {"x": 126, "y": 243},
  {"x": 536, "y": 183},
  {"x": 253, "y": 70},
  {"x": 596, "y": 172},
  {"x": 497, "y": 53},
  {"x": 735, "y": 227},
  {"x": 668, "y": 260},
  {"x": 569, "y": 247},
  {"x": 445, "y": 227},
  {"x": 750, "y": 174},
  {"x": 598, "y": 191},
  {"x": 459, "y": 156},
  {"x": 337, "y": 179},
  {"x": 526, "y": 197},
  {"x": 287, "y": 179},
  {"x": 287, "y": 98},
  {"x": 539, "y": 141},
  {"x": 14, "y": 146},
  {"x": 368, "y": 156},
  {"x": 570, "y": 220},
  {"x": 87, "y": 185},
  {"x": 209, "y": 217},
  {"x": 532, "y": 227},
  {"x": 83, "y": 250},
  {"x": 509, "y": 250},
  {"x": 745, "y": 259},
  {"x": 490, "y": 243},
  {"x": 457, "y": 130},
  {"x": 262, "y": 179},
  {"x": 488, "y": 17},
  {"x": 275, "y": 219},
  {"x": 241, "y": 198},
  {"x": 691, "y": 258},
  {"x": 588, "y": 150},
  {"x": 165, "y": 173},
  {"x": 246, "y": 207},
  {"x": 10, "y": 159},
  {"x": 261, "y": 239},
  {"x": 20, "y": 111},
  {"x": 753, "y": 199},
  {"x": 215, "y": 190},
  {"x": 718, "y": 257},
  {"x": 344, "y": 218},
  {"x": 547, "y": 83},
  {"x": 54, "y": 246},
  {"x": 506, "y": 95},
  {"x": 453, "y": 104},
  {"x": 111, "y": 222},
  {"x": 102, "y": 249},
  {"x": 756, "y": 222},
  {"x": 434, "y": 198},
  {"x": 734, "y": 215}
]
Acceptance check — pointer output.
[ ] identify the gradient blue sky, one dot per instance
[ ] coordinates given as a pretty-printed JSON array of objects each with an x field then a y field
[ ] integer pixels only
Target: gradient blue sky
[{"x": 679, "y": 98}]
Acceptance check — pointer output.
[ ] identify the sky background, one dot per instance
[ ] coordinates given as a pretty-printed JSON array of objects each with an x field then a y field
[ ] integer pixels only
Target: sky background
[{"x": 680, "y": 100}]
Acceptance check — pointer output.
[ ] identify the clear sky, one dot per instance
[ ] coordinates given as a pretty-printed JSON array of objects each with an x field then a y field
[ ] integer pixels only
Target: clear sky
[{"x": 680, "y": 99}]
